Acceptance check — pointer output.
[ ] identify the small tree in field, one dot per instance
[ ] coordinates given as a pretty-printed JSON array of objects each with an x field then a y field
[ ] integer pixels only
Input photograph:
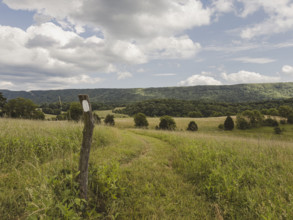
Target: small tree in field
[
  {"x": 167, "y": 123},
  {"x": 109, "y": 120},
  {"x": 277, "y": 130},
  {"x": 229, "y": 124},
  {"x": 242, "y": 123},
  {"x": 140, "y": 120},
  {"x": 192, "y": 126},
  {"x": 75, "y": 111}
]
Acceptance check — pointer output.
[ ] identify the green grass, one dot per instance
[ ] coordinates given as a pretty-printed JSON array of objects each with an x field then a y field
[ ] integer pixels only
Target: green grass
[
  {"x": 245, "y": 177},
  {"x": 145, "y": 173}
]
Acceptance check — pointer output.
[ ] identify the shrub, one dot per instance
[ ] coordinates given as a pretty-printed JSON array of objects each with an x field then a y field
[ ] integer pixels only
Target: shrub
[
  {"x": 39, "y": 115},
  {"x": 229, "y": 124},
  {"x": 167, "y": 123},
  {"x": 270, "y": 122},
  {"x": 283, "y": 121},
  {"x": 221, "y": 126},
  {"x": 277, "y": 130},
  {"x": 241, "y": 123},
  {"x": 140, "y": 120},
  {"x": 75, "y": 111},
  {"x": 61, "y": 117},
  {"x": 109, "y": 120},
  {"x": 192, "y": 126}
]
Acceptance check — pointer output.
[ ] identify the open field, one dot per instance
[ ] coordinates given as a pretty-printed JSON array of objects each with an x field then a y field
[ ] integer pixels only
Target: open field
[{"x": 145, "y": 173}]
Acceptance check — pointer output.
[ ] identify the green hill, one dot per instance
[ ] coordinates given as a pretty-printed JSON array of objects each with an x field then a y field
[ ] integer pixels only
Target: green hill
[{"x": 226, "y": 93}]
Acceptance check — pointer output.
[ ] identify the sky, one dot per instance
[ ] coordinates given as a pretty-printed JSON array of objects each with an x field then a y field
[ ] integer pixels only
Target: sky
[{"x": 61, "y": 44}]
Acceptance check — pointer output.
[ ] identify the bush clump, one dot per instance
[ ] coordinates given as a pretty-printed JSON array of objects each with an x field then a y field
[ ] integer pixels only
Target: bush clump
[
  {"x": 109, "y": 120},
  {"x": 242, "y": 123},
  {"x": 221, "y": 126},
  {"x": 270, "y": 122},
  {"x": 229, "y": 124},
  {"x": 167, "y": 123},
  {"x": 140, "y": 120},
  {"x": 277, "y": 130},
  {"x": 192, "y": 126}
]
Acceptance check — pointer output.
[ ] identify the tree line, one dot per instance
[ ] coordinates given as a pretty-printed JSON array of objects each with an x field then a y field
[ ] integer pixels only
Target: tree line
[
  {"x": 25, "y": 108},
  {"x": 20, "y": 108},
  {"x": 183, "y": 108}
]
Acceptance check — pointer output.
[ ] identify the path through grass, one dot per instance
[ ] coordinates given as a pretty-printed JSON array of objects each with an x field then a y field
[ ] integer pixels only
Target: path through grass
[{"x": 154, "y": 190}]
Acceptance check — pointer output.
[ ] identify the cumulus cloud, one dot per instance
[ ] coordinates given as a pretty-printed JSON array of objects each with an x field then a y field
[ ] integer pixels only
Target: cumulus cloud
[
  {"x": 127, "y": 32},
  {"x": 47, "y": 51},
  {"x": 223, "y": 6},
  {"x": 199, "y": 80},
  {"x": 248, "y": 77},
  {"x": 287, "y": 69},
  {"x": 280, "y": 17},
  {"x": 6, "y": 85},
  {"x": 171, "y": 48},
  {"x": 124, "y": 18}
]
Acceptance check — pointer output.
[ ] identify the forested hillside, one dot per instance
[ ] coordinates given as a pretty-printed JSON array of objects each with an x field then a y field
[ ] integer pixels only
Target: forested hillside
[
  {"x": 184, "y": 108},
  {"x": 227, "y": 93}
]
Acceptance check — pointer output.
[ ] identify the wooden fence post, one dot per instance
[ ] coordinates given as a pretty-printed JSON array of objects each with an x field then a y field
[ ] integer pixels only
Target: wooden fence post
[{"x": 86, "y": 145}]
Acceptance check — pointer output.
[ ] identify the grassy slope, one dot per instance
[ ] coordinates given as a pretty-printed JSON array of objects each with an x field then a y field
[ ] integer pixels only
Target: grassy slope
[{"x": 164, "y": 175}]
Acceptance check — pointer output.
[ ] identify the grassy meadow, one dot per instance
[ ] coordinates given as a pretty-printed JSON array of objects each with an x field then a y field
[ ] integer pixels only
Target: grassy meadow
[{"x": 146, "y": 173}]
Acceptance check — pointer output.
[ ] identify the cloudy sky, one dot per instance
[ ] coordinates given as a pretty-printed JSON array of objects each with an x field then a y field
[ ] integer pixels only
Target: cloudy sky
[{"x": 59, "y": 44}]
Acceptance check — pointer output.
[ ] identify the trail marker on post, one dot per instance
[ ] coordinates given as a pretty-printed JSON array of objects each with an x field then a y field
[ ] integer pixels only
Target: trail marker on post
[{"x": 86, "y": 145}]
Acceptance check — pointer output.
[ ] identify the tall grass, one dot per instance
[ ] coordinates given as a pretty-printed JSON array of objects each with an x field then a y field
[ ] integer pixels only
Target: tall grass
[
  {"x": 39, "y": 163},
  {"x": 145, "y": 173},
  {"x": 245, "y": 178}
]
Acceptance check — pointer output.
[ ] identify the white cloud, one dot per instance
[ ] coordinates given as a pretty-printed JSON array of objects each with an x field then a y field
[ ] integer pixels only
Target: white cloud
[
  {"x": 223, "y": 6},
  {"x": 82, "y": 79},
  {"x": 123, "y": 75},
  {"x": 124, "y": 18},
  {"x": 199, "y": 80},
  {"x": 248, "y": 77},
  {"x": 280, "y": 17},
  {"x": 45, "y": 51},
  {"x": 6, "y": 85},
  {"x": 254, "y": 60},
  {"x": 287, "y": 69},
  {"x": 134, "y": 32},
  {"x": 171, "y": 48}
]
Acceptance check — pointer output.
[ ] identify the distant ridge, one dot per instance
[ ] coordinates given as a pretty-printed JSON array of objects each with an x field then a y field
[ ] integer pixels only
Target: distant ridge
[{"x": 225, "y": 93}]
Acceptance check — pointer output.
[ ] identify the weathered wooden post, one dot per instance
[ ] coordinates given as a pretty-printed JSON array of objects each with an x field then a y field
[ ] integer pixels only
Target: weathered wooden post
[{"x": 86, "y": 145}]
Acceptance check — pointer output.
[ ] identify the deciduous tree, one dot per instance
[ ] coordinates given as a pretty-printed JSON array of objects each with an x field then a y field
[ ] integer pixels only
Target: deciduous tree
[{"x": 140, "y": 120}]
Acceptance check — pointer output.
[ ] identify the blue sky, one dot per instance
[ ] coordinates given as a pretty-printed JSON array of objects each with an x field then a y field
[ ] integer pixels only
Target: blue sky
[{"x": 152, "y": 43}]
